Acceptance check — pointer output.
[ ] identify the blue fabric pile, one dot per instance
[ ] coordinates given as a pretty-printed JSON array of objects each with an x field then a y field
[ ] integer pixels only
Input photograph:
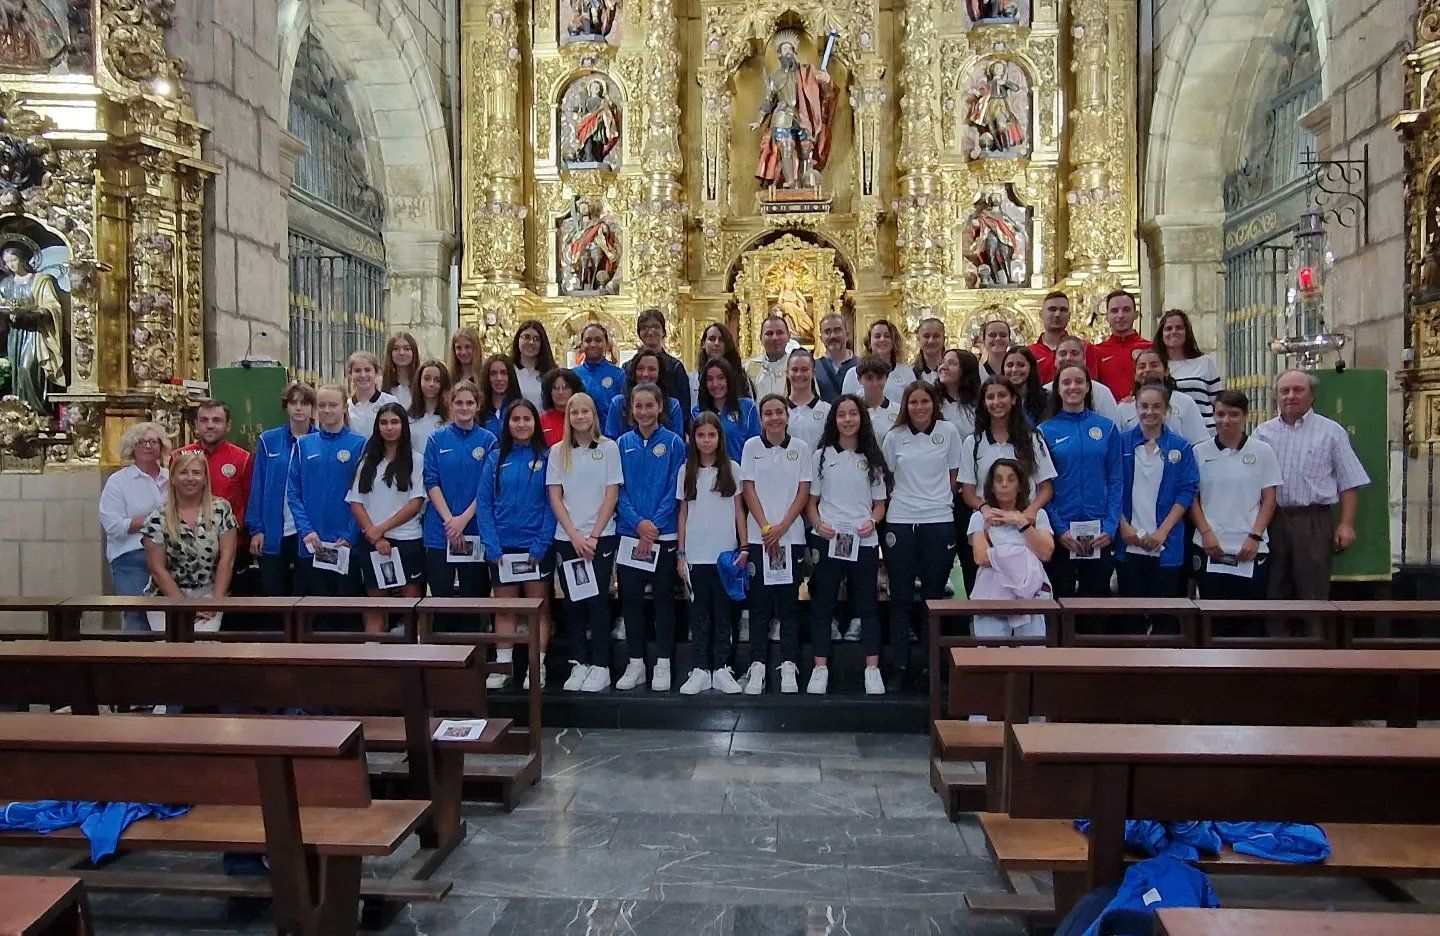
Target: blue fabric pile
[
  {"x": 1128, "y": 910},
  {"x": 102, "y": 823},
  {"x": 1288, "y": 842}
]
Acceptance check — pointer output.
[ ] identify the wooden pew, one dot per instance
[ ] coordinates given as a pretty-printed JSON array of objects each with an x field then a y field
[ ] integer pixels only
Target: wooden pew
[
  {"x": 1188, "y": 921},
  {"x": 179, "y": 617},
  {"x": 47, "y": 608},
  {"x": 1381, "y": 615},
  {"x": 293, "y": 790},
  {"x": 1323, "y": 612},
  {"x": 372, "y": 679},
  {"x": 1073, "y": 611},
  {"x": 43, "y": 906},
  {"x": 1109, "y": 773}
]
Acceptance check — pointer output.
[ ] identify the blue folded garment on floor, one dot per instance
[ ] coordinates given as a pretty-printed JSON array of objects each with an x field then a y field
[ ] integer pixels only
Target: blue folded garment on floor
[
  {"x": 1148, "y": 886},
  {"x": 1290, "y": 842},
  {"x": 102, "y": 823}
]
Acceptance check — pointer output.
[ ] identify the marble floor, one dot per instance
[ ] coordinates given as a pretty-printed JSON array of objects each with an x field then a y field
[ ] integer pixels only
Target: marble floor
[{"x": 692, "y": 833}]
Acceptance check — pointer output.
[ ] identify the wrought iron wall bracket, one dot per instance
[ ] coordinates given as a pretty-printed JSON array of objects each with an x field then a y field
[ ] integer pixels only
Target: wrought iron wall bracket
[{"x": 1340, "y": 189}]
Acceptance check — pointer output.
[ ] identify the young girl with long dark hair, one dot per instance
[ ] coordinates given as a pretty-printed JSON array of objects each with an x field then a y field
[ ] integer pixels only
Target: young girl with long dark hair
[
  {"x": 717, "y": 342},
  {"x": 512, "y": 506},
  {"x": 847, "y": 498},
  {"x": 646, "y": 367},
  {"x": 397, "y": 374},
  {"x": 1021, "y": 372},
  {"x": 712, "y": 522},
  {"x": 807, "y": 410},
  {"x": 501, "y": 389},
  {"x": 720, "y": 394},
  {"x": 533, "y": 358},
  {"x": 428, "y": 409},
  {"x": 387, "y": 498},
  {"x": 958, "y": 381}
]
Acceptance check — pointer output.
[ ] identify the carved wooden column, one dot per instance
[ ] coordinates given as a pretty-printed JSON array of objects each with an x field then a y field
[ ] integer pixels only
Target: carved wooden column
[
  {"x": 921, "y": 226},
  {"x": 657, "y": 237}
]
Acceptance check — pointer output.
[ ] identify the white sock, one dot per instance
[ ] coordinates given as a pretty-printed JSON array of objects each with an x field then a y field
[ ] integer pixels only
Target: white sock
[
  {"x": 505, "y": 656},
  {"x": 542, "y": 657},
  {"x": 640, "y": 660}
]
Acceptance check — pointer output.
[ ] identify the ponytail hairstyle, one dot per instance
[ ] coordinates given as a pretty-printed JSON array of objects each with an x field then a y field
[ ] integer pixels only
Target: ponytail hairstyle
[
  {"x": 814, "y": 385},
  {"x": 866, "y": 445},
  {"x": 902, "y": 418},
  {"x": 466, "y": 386},
  {"x": 725, "y": 484},
  {"x": 537, "y": 442},
  {"x": 1022, "y": 438},
  {"x": 397, "y": 473},
  {"x": 1160, "y": 356}
]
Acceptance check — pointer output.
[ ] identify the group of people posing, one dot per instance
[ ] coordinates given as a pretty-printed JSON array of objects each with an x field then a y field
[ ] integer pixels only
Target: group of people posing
[{"x": 1041, "y": 469}]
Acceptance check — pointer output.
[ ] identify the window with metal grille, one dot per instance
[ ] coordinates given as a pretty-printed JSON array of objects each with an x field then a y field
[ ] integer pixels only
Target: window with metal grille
[
  {"x": 337, "y": 294},
  {"x": 1264, "y": 199}
]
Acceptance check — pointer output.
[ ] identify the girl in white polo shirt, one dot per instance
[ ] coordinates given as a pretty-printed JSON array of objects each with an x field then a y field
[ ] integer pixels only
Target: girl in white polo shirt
[
  {"x": 712, "y": 521},
  {"x": 583, "y": 477},
  {"x": 366, "y": 398},
  {"x": 387, "y": 498},
  {"x": 847, "y": 499},
  {"x": 923, "y": 452},
  {"x": 807, "y": 410},
  {"x": 775, "y": 470}
]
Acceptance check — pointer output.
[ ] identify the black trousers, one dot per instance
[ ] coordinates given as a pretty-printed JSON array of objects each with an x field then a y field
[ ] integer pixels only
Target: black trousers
[
  {"x": 277, "y": 573},
  {"x": 456, "y": 580},
  {"x": 915, "y": 550},
  {"x": 711, "y": 629},
  {"x": 963, "y": 550},
  {"x": 322, "y": 583},
  {"x": 591, "y": 614},
  {"x": 1145, "y": 577},
  {"x": 861, "y": 579},
  {"x": 774, "y": 602},
  {"x": 1219, "y": 587},
  {"x": 1080, "y": 578},
  {"x": 662, "y": 592}
]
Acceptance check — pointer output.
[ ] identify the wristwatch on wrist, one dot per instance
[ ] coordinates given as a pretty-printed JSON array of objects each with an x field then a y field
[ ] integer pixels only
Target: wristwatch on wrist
[
  {"x": 1026, "y": 527},
  {"x": 1256, "y": 537}
]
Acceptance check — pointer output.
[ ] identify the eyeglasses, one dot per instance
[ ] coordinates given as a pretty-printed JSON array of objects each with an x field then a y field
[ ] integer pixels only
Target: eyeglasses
[
  {"x": 148, "y": 442},
  {"x": 651, "y": 327}
]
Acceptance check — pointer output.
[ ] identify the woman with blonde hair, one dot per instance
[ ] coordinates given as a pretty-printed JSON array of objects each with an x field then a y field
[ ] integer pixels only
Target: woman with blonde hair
[
  {"x": 465, "y": 355},
  {"x": 127, "y": 500},
  {"x": 883, "y": 341},
  {"x": 583, "y": 476},
  {"x": 366, "y": 397},
  {"x": 190, "y": 540},
  {"x": 398, "y": 370}
]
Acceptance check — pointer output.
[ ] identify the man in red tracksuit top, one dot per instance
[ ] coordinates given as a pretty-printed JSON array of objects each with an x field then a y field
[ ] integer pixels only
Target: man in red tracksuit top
[
  {"x": 229, "y": 463},
  {"x": 1112, "y": 361}
]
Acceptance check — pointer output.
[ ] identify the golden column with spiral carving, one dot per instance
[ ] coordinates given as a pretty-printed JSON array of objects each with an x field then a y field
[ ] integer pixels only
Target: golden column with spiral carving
[
  {"x": 921, "y": 233},
  {"x": 657, "y": 240}
]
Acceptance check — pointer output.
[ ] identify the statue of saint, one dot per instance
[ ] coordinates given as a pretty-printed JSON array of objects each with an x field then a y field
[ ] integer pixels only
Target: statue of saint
[
  {"x": 996, "y": 243},
  {"x": 589, "y": 252},
  {"x": 796, "y": 114},
  {"x": 32, "y": 38},
  {"x": 1000, "y": 132},
  {"x": 791, "y": 305},
  {"x": 993, "y": 11},
  {"x": 32, "y": 320},
  {"x": 597, "y": 126},
  {"x": 592, "y": 20}
]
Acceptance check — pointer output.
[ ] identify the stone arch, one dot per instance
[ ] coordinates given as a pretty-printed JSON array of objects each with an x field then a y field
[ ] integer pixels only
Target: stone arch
[
  {"x": 397, "y": 100},
  {"x": 1214, "y": 59}
]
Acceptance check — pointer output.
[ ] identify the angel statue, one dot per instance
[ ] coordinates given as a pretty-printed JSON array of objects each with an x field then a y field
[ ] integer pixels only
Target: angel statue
[
  {"x": 999, "y": 129},
  {"x": 32, "y": 321},
  {"x": 796, "y": 115}
]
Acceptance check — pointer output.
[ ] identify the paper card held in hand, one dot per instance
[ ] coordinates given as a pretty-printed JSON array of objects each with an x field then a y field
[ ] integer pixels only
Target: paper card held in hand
[
  {"x": 1085, "y": 532},
  {"x": 1230, "y": 565},
  {"x": 778, "y": 570},
  {"x": 580, "y": 579},
  {"x": 389, "y": 570},
  {"x": 632, "y": 554},
  {"x": 845, "y": 545},
  {"x": 332, "y": 557},
  {"x": 469, "y": 550},
  {"x": 518, "y": 567},
  {"x": 460, "y": 729}
]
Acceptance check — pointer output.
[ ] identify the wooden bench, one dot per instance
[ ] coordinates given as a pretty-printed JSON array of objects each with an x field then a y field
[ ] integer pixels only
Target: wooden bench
[
  {"x": 1108, "y": 773},
  {"x": 43, "y": 906},
  {"x": 368, "y": 679},
  {"x": 295, "y": 791},
  {"x": 179, "y": 617},
  {"x": 1175, "y": 921}
]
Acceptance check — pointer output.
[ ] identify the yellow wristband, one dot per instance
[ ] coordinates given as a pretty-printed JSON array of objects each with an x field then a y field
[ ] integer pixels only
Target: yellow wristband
[{"x": 765, "y": 530}]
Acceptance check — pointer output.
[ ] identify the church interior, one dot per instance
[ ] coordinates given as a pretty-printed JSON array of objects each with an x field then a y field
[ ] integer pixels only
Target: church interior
[{"x": 210, "y": 198}]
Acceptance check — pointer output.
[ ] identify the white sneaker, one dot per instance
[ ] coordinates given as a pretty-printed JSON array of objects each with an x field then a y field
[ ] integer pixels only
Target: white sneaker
[
  {"x": 755, "y": 679},
  {"x": 598, "y": 679},
  {"x": 578, "y": 672},
  {"x": 526, "y": 683},
  {"x": 722, "y": 680},
  {"x": 789, "y": 681},
  {"x": 497, "y": 680},
  {"x": 852, "y": 631},
  {"x": 835, "y": 631},
  {"x": 874, "y": 683},
  {"x": 633, "y": 676},
  {"x": 819, "y": 680},
  {"x": 774, "y": 631},
  {"x": 698, "y": 682},
  {"x": 660, "y": 682}
]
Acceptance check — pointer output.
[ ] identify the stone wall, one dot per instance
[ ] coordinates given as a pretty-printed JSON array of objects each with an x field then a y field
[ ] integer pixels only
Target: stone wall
[
  {"x": 50, "y": 540},
  {"x": 231, "y": 55}
]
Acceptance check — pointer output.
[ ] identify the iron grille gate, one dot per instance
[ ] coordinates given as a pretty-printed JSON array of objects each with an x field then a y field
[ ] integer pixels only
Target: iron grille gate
[
  {"x": 337, "y": 307},
  {"x": 1255, "y": 281}
]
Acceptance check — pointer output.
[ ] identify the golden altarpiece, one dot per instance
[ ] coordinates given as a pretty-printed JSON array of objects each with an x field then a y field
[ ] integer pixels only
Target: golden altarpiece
[
  {"x": 957, "y": 158},
  {"x": 101, "y": 230},
  {"x": 1419, "y": 127}
]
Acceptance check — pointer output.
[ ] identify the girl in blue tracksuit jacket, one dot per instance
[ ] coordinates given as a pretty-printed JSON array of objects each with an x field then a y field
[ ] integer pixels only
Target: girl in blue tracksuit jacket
[
  {"x": 268, "y": 518},
  {"x": 453, "y": 458},
  {"x": 321, "y": 471},
  {"x": 1161, "y": 478},
  {"x": 645, "y": 367},
  {"x": 1089, "y": 485},
  {"x": 718, "y": 392},
  {"x": 602, "y": 379},
  {"x": 651, "y": 458},
  {"x": 512, "y": 506}
]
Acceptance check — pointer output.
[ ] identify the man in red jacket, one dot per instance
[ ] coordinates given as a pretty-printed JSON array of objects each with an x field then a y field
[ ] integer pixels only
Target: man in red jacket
[
  {"x": 229, "y": 463},
  {"x": 1112, "y": 361},
  {"x": 1055, "y": 320}
]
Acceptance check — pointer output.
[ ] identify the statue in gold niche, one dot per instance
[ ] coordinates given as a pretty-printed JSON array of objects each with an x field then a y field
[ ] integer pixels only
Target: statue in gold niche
[
  {"x": 792, "y": 306},
  {"x": 32, "y": 323},
  {"x": 997, "y": 126},
  {"x": 796, "y": 115},
  {"x": 597, "y": 126},
  {"x": 32, "y": 37},
  {"x": 589, "y": 252}
]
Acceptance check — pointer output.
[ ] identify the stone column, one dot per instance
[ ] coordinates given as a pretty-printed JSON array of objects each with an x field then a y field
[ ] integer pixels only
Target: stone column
[
  {"x": 657, "y": 235},
  {"x": 1187, "y": 272},
  {"x": 921, "y": 227},
  {"x": 419, "y": 267}
]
